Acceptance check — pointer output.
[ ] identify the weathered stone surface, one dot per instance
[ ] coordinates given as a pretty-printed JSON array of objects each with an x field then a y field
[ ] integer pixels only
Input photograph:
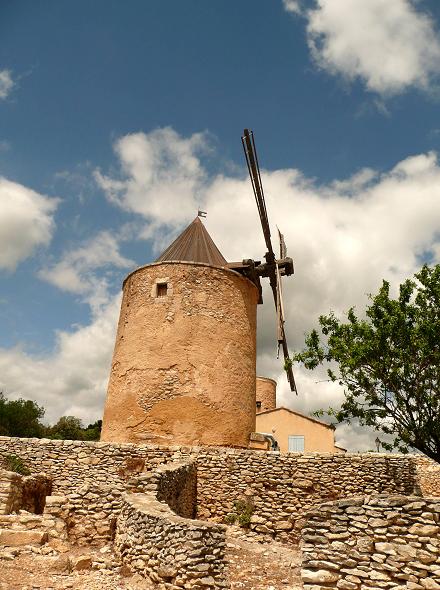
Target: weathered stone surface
[
  {"x": 14, "y": 538},
  {"x": 62, "y": 564},
  {"x": 319, "y": 576},
  {"x": 387, "y": 548},
  {"x": 423, "y": 530},
  {"x": 94, "y": 490},
  {"x": 82, "y": 562},
  {"x": 397, "y": 548},
  {"x": 168, "y": 379},
  {"x": 191, "y": 551}
]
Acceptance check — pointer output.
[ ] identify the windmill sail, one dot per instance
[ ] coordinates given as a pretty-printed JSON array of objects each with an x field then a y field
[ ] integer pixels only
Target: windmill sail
[
  {"x": 280, "y": 310},
  {"x": 257, "y": 186},
  {"x": 283, "y": 248},
  {"x": 271, "y": 268}
]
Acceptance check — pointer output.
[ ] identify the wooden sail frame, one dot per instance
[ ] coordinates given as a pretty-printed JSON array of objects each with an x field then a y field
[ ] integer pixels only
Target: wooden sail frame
[{"x": 273, "y": 268}]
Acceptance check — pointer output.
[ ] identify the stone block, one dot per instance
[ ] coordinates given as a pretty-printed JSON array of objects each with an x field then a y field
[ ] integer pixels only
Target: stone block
[
  {"x": 15, "y": 538},
  {"x": 319, "y": 576},
  {"x": 82, "y": 562}
]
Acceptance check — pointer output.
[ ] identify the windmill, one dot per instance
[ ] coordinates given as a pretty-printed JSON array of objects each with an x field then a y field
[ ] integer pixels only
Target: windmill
[{"x": 273, "y": 268}]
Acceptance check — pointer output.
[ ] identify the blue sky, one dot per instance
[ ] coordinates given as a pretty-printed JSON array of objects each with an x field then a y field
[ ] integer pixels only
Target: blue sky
[{"x": 118, "y": 119}]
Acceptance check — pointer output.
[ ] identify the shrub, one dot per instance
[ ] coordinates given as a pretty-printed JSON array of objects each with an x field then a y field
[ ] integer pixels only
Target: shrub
[
  {"x": 16, "y": 464},
  {"x": 230, "y": 518},
  {"x": 243, "y": 510}
]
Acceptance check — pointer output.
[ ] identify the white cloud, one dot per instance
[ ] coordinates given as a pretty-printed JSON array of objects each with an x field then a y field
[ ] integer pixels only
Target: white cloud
[
  {"x": 73, "y": 379},
  {"x": 75, "y": 272},
  {"x": 161, "y": 175},
  {"x": 293, "y": 6},
  {"x": 390, "y": 45},
  {"x": 344, "y": 237},
  {"x": 6, "y": 84},
  {"x": 26, "y": 222}
]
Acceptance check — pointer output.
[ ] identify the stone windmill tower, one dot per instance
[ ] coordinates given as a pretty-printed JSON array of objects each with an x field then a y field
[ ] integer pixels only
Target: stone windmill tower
[
  {"x": 184, "y": 363},
  {"x": 183, "y": 368}
]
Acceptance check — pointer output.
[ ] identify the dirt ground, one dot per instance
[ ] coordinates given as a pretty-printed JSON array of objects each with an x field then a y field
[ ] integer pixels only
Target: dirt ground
[
  {"x": 251, "y": 566},
  {"x": 261, "y": 566}
]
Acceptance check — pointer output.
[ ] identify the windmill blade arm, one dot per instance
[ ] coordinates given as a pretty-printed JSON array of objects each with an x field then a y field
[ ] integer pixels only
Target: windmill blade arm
[
  {"x": 273, "y": 268},
  {"x": 278, "y": 296},
  {"x": 288, "y": 365},
  {"x": 257, "y": 186}
]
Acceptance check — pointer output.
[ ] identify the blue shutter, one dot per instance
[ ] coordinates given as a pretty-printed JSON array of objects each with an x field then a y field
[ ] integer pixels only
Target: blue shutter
[{"x": 296, "y": 444}]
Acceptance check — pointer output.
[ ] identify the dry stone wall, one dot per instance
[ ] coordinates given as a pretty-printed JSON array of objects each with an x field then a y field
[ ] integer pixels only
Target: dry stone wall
[
  {"x": 376, "y": 542},
  {"x": 176, "y": 551},
  {"x": 71, "y": 464},
  {"x": 177, "y": 487},
  {"x": 428, "y": 476},
  {"x": 27, "y": 514},
  {"x": 23, "y": 493},
  {"x": 92, "y": 476},
  {"x": 10, "y": 491},
  {"x": 92, "y": 513},
  {"x": 281, "y": 487},
  {"x": 26, "y": 528}
]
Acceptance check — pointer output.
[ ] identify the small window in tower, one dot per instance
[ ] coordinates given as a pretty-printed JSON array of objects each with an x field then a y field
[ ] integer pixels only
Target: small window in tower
[
  {"x": 162, "y": 289},
  {"x": 258, "y": 405}
]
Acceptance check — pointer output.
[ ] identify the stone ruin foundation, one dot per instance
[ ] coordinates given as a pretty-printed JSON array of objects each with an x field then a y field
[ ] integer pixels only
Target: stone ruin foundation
[
  {"x": 28, "y": 513},
  {"x": 164, "y": 509},
  {"x": 373, "y": 542}
]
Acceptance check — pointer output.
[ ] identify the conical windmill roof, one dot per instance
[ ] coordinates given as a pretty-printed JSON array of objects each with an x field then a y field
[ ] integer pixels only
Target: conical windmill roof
[{"x": 194, "y": 245}]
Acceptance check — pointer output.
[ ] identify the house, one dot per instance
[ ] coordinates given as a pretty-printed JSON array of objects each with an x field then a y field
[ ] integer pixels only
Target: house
[{"x": 297, "y": 433}]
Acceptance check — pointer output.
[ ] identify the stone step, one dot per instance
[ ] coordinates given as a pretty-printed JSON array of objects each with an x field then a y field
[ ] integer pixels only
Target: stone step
[{"x": 17, "y": 538}]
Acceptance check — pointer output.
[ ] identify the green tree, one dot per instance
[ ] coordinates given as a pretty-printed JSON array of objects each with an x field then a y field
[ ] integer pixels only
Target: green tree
[
  {"x": 67, "y": 428},
  {"x": 93, "y": 431},
  {"x": 388, "y": 363},
  {"x": 20, "y": 418}
]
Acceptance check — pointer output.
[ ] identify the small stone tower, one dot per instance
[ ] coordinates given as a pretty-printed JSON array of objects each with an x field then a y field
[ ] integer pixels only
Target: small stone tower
[
  {"x": 266, "y": 396},
  {"x": 184, "y": 364}
]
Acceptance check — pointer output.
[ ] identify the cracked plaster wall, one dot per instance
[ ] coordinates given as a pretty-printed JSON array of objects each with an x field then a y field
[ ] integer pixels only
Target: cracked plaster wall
[{"x": 183, "y": 368}]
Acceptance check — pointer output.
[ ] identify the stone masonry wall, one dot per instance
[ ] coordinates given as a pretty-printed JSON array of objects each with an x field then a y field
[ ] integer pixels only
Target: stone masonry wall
[
  {"x": 10, "y": 491},
  {"x": 177, "y": 487},
  {"x": 94, "y": 507},
  {"x": 92, "y": 476},
  {"x": 176, "y": 552},
  {"x": 92, "y": 513},
  {"x": 428, "y": 476},
  {"x": 18, "y": 492},
  {"x": 160, "y": 389},
  {"x": 71, "y": 464},
  {"x": 376, "y": 542},
  {"x": 25, "y": 527},
  {"x": 282, "y": 487}
]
